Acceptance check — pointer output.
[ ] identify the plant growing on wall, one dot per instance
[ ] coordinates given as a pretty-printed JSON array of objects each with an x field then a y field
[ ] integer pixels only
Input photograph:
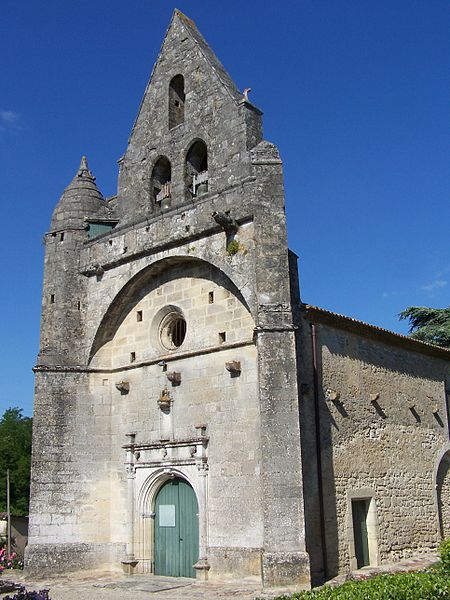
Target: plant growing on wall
[{"x": 233, "y": 247}]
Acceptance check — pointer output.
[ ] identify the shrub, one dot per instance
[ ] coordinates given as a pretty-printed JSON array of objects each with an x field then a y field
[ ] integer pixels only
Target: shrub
[
  {"x": 24, "y": 595},
  {"x": 9, "y": 562},
  {"x": 444, "y": 551},
  {"x": 404, "y": 586}
]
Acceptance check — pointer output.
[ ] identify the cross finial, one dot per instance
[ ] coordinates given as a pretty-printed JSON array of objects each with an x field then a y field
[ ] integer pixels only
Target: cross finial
[{"x": 83, "y": 170}]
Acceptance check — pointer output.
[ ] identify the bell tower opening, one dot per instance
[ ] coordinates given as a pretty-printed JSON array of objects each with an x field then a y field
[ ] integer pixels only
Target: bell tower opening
[
  {"x": 197, "y": 169},
  {"x": 161, "y": 178},
  {"x": 176, "y": 101}
]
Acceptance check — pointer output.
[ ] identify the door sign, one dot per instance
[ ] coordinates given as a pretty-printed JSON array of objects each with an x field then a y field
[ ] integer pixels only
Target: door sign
[{"x": 167, "y": 515}]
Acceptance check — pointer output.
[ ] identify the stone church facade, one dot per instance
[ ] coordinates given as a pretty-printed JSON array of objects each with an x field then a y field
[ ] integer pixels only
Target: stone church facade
[{"x": 192, "y": 416}]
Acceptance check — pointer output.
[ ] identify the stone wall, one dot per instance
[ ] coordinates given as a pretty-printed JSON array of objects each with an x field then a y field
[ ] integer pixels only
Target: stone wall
[{"x": 383, "y": 424}]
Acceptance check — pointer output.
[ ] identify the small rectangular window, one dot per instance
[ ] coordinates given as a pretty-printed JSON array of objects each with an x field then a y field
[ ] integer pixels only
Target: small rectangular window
[
  {"x": 99, "y": 228},
  {"x": 61, "y": 237},
  {"x": 139, "y": 316},
  {"x": 222, "y": 337},
  {"x": 132, "y": 356},
  {"x": 52, "y": 298},
  {"x": 78, "y": 305},
  {"x": 211, "y": 297}
]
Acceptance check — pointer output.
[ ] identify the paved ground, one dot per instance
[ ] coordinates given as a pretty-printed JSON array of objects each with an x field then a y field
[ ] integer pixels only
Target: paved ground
[
  {"x": 102, "y": 586},
  {"x": 95, "y": 586}
]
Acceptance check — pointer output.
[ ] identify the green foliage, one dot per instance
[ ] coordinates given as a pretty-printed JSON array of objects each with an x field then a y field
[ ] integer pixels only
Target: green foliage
[
  {"x": 15, "y": 455},
  {"x": 401, "y": 586},
  {"x": 429, "y": 324},
  {"x": 444, "y": 552},
  {"x": 233, "y": 247}
]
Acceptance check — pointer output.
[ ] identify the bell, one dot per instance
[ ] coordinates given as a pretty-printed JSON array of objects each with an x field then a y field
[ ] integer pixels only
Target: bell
[{"x": 202, "y": 188}]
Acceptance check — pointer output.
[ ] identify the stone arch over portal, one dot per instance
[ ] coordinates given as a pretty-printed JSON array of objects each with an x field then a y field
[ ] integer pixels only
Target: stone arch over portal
[
  {"x": 131, "y": 292},
  {"x": 442, "y": 487},
  {"x": 155, "y": 480}
]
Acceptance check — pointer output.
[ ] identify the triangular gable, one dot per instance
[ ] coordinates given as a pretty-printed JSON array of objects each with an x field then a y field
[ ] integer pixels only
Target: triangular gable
[{"x": 210, "y": 57}]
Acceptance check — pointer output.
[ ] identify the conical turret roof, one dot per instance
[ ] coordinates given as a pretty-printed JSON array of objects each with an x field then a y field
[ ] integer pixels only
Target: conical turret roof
[{"x": 80, "y": 200}]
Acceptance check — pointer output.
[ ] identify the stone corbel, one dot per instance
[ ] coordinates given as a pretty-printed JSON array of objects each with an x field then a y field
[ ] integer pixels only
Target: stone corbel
[
  {"x": 332, "y": 395},
  {"x": 233, "y": 367},
  {"x": 123, "y": 387},
  {"x": 174, "y": 377},
  {"x": 201, "y": 428},
  {"x": 228, "y": 224},
  {"x": 94, "y": 269}
]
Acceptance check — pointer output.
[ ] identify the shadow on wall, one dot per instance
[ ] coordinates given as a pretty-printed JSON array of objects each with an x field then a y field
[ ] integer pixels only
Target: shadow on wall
[
  {"x": 443, "y": 495},
  {"x": 321, "y": 533}
]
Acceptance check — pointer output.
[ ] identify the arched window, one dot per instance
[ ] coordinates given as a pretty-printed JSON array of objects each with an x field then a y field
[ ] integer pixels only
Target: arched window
[
  {"x": 197, "y": 169},
  {"x": 161, "y": 176},
  {"x": 176, "y": 101}
]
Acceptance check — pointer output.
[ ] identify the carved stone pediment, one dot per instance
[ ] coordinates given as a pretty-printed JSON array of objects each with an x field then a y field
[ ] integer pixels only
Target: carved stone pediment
[{"x": 189, "y": 451}]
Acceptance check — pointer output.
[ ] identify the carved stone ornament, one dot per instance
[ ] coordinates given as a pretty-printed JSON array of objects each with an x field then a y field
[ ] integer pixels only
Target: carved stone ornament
[
  {"x": 164, "y": 400},
  {"x": 95, "y": 269},
  {"x": 224, "y": 219},
  {"x": 233, "y": 367},
  {"x": 174, "y": 377},
  {"x": 123, "y": 387}
]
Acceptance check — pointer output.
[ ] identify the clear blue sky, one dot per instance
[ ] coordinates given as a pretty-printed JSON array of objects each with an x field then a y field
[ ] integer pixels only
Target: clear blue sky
[{"x": 354, "y": 93}]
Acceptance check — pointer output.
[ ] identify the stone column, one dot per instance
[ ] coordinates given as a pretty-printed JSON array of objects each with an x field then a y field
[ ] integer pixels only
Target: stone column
[
  {"x": 202, "y": 566},
  {"x": 129, "y": 562}
]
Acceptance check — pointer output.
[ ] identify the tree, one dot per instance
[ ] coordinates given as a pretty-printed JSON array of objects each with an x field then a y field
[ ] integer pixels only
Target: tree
[
  {"x": 430, "y": 325},
  {"x": 15, "y": 455}
]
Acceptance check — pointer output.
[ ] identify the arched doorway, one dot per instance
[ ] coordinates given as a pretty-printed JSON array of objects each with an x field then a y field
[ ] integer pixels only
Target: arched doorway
[
  {"x": 176, "y": 529},
  {"x": 443, "y": 495}
]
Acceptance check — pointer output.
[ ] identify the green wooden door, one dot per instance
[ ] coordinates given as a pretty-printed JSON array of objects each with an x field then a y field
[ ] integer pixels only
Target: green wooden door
[
  {"x": 360, "y": 509},
  {"x": 176, "y": 529}
]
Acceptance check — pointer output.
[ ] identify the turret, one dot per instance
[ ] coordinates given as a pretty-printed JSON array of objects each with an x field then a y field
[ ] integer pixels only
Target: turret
[
  {"x": 64, "y": 287},
  {"x": 80, "y": 200}
]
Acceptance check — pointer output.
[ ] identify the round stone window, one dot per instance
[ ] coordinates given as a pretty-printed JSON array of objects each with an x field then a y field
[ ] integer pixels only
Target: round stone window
[{"x": 172, "y": 330}]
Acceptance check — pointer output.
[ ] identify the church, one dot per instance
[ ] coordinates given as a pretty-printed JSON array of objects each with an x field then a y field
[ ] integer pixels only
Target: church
[{"x": 193, "y": 416}]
